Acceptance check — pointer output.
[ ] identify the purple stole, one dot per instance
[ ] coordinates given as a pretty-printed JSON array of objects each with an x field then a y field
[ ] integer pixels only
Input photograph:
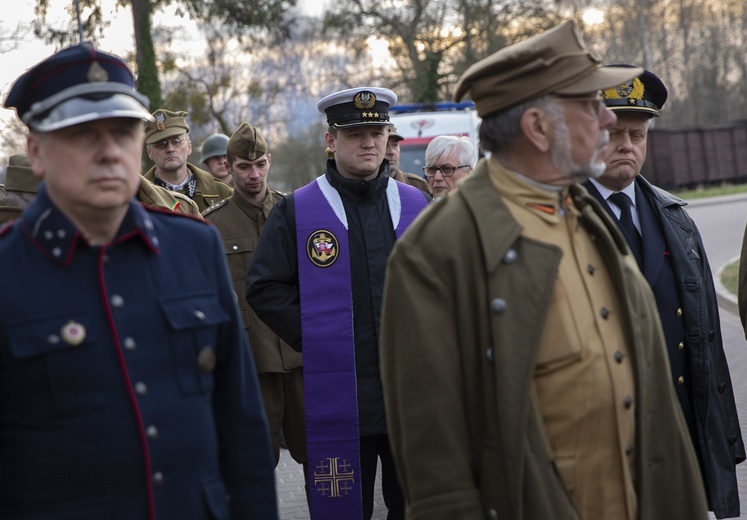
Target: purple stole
[{"x": 330, "y": 390}]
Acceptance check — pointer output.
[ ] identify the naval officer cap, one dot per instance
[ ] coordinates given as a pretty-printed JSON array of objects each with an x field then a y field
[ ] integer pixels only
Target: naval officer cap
[
  {"x": 76, "y": 85},
  {"x": 644, "y": 94},
  {"x": 556, "y": 62},
  {"x": 247, "y": 143},
  {"x": 358, "y": 107}
]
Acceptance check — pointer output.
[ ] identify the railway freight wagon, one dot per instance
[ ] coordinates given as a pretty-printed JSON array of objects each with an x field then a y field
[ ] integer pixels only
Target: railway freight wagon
[{"x": 701, "y": 156}]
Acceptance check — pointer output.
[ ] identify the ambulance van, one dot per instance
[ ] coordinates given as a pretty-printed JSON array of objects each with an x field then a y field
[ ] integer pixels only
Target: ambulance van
[{"x": 419, "y": 123}]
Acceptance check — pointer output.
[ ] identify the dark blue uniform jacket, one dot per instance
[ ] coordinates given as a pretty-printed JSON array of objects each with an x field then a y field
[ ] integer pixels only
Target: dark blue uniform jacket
[{"x": 127, "y": 389}]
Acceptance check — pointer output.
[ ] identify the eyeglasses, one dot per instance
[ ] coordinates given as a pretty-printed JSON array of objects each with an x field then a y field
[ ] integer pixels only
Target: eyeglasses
[
  {"x": 596, "y": 101},
  {"x": 176, "y": 142},
  {"x": 446, "y": 170}
]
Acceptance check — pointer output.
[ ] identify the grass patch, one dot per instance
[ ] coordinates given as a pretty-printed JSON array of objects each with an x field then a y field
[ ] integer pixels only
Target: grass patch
[
  {"x": 730, "y": 277},
  {"x": 701, "y": 192}
]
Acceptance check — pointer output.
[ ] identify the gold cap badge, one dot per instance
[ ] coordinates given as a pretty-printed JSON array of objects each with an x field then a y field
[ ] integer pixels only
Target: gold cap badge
[{"x": 364, "y": 100}]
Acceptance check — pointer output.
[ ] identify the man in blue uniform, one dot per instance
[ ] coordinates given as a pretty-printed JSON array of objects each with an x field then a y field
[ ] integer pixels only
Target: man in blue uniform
[
  {"x": 316, "y": 278},
  {"x": 127, "y": 390}
]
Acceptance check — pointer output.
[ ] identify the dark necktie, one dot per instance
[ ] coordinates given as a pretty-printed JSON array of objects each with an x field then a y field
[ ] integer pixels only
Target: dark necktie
[{"x": 631, "y": 233}]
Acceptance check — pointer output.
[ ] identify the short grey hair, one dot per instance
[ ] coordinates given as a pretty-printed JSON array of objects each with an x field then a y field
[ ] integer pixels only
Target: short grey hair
[
  {"x": 444, "y": 145},
  {"x": 500, "y": 131}
]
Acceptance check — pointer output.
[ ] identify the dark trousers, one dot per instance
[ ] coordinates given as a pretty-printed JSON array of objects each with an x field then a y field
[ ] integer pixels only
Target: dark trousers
[
  {"x": 283, "y": 399},
  {"x": 374, "y": 448}
]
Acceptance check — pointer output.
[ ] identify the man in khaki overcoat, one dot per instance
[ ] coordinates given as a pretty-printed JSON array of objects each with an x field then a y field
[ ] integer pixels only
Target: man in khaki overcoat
[{"x": 523, "y": 363}]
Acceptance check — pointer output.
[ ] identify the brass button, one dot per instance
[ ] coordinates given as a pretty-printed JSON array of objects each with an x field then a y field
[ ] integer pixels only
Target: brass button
[
  {"x": 681, "y": 345},
  {"x": 679, "y": 312},
  {"x": 681, "y": 380}
]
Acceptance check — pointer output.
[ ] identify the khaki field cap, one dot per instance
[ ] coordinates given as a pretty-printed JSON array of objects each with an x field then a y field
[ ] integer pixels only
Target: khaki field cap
[
  {"x": 18, "y": 176},
  {"x": 393, "y": 134},
  {"x": 165, "y": 124},
  {"x": 554, "y": 62},
  {"x": 246, "y": 143}
]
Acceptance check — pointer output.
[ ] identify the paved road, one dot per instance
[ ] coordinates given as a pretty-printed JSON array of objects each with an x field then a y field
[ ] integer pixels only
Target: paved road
[{"x": 721, "y": 221}]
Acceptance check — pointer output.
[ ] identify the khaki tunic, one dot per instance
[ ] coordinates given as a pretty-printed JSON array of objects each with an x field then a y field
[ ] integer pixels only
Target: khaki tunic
[
  {"x": 209, "y": 189},
  {"x": 148, "y": 194},
  {"x": 240, "y": 223},
  {"x": 8, "y": 213},
  {"x": 153, "y": 195},
  {"x": 413, "y": 180},
  {"x": 464, "y": 317},
  {"x": 586, "y": 395},
  {"x": 279, "y": 366}
]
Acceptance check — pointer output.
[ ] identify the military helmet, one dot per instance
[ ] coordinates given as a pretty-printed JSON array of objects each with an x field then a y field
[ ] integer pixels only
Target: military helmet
[{"x": 214, "y": 145}]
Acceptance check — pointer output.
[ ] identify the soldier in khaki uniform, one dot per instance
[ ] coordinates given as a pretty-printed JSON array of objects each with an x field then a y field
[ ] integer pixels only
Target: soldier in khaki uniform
[
  {"x": 523, "y": 363},
  {"x": 392, "y": 155},
  {"x": 168, "y": 146},
  {"x": 21, "y": 186},
  {"x": 240, "y": 220}
]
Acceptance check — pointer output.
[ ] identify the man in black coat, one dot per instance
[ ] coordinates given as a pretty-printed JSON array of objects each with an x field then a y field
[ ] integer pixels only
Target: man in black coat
[
  {"x": 317, "y": 279},
  {"x": 668, "y": 248}
]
